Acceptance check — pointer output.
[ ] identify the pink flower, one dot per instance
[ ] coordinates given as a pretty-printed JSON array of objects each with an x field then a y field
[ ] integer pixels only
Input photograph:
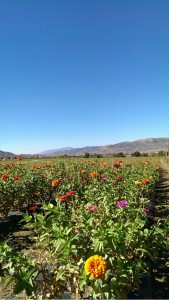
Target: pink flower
[
  {"x": 103, "y": 179},
  {"x": 91, "y": 208},
  {"x": 122, "y": 203}
]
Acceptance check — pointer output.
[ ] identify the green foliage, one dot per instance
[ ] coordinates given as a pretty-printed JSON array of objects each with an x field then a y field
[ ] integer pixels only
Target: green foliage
[{"x": 96, "y": 207}]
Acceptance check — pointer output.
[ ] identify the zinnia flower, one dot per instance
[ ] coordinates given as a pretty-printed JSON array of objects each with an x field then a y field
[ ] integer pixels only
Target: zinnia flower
[
  {"x": 32, "y": 208},
  {"x": 145, "y": 181},
  {"x": 122, "y": 203},
  {"x": 56, "y": 182},
  {"x": 63, "y": 198},
  {"x": 4, "y": 177},
  {"x": 83, "y": 171},
  {"x": 147, "y": 211},
  {"x": 94, "y": 174},
  {"x": 91, "y": 208},
  {"x": 71, "y": 193},
  {"x": 118, "y": 178},
  {"x": 137, "y": 183},
  {"x": 17, "y": 176},
  {"x": 103, "y": 179},
  {"x": 116, "y": 165},
  {"x": 95, "y": 266}
]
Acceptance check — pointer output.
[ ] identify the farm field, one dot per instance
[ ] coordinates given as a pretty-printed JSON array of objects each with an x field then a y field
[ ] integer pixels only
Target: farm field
[{"x": 92, "y": 223}]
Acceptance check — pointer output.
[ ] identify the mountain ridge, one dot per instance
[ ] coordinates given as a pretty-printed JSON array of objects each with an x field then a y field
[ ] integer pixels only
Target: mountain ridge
[
  {"x": 146, "y": 145},
  {"x": 143, "y": 145}
]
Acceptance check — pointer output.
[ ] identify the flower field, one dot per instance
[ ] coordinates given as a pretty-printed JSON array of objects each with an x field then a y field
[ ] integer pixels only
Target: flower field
[{"x": 92, "y": 223}]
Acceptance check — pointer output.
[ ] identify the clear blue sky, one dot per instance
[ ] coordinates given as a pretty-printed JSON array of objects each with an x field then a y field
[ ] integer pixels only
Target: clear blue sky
[{"x": 82, "y": 72}]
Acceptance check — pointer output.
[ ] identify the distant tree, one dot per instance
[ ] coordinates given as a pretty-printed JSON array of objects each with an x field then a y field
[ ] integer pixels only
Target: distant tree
[
  {"x": 161, "y": 153},
  {"x": 136, "y": 154},
  {"x": 87, "y": 155},
  {"x": 97, "y": 155},
  {"x": 119, "y": 154},
  {"x": 144, "y": 154}
]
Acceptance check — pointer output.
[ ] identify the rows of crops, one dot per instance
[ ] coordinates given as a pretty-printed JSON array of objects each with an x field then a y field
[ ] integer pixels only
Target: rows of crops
[{"x": 90, "y": 223}]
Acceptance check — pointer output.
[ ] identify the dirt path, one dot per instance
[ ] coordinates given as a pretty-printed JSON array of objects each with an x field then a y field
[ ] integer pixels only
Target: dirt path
[{"x": 160, "y": 272}]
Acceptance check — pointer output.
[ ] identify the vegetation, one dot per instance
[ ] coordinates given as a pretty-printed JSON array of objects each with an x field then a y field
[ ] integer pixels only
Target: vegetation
[{"x": 91, "y": 222}]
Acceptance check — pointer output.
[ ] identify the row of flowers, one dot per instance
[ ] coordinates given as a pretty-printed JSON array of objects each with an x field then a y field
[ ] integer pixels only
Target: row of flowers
[
  {"x": 24, "y": 184},
  {"x": 90, "y": 234}
]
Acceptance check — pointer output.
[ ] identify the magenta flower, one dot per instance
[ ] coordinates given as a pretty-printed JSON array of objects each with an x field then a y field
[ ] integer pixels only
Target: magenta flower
[
  {"x": 116, "y": 165},
  {"x": 122, "y": 203},
  {"x": 91, "y": 208},
  {"x": 147, "y": 211},
  {"x": 103, "y": 179}
]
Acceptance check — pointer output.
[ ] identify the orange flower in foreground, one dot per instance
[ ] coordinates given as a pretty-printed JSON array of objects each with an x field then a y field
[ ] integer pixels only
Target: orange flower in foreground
[
  {"x": 83, "y": 171},
  {"x": 95, "y": 266},
  {"x": 94, "y": 174},
  {"x": 145, "y": 181},
  {"x": 56, "y": 182}
]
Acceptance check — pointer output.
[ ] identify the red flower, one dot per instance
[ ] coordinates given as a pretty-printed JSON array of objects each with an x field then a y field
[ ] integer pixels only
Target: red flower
[
  {"x": 4, "y": 177},
  {"x": 145, "y": 181},
  {"x": 71, "y": 193},
  {"x": 63, "y": 198},
  {"x": 118, "y": 178},
  {"x": 32, "y": 208},
  {"x": 17, "y": 176}
]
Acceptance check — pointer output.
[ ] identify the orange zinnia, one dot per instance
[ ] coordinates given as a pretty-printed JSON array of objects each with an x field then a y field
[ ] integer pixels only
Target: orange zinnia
[
  {"x": 145, "y": 181},
  {"x": 94, "y": 174},
  {"x": 56, "y": 182},
  {"x": 96, "y": 266}
]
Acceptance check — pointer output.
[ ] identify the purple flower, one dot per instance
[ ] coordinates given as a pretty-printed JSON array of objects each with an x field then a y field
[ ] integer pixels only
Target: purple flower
[
  {"x": 147, "y": 211},
  {"x": 91, "y": 208},
  {"x": 122, "y": 203}
]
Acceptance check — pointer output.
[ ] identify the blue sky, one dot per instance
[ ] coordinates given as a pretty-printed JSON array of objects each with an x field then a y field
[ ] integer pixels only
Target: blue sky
[{"x": 82, "y": 72}]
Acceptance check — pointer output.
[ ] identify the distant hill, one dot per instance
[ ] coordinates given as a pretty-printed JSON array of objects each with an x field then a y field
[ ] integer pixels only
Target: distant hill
[
  {"x": 142, "y": 145},
  {"x": 148, "y": 145},
  {"x": 56, "y": 150},
  {"x": 4, "y": 154}
]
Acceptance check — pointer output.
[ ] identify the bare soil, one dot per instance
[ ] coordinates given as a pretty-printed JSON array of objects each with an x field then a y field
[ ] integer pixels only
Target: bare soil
[{"x": 160, "y": 271}]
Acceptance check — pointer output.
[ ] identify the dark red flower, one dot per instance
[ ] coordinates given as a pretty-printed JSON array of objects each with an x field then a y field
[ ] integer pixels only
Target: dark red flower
[
  {"x": 4, "y": 177},
  {"x": 32, "y": 208}
]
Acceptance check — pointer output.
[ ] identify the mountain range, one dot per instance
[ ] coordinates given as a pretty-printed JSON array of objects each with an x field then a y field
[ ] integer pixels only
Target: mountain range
[
  {"x": 147, "y": 145},
  {"x": 142, "y": 145}
]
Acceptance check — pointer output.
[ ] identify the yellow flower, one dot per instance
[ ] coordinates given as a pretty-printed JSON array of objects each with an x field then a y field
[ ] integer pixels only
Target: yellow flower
[
  {"x": 96, "y": 266},
  {"x": 137, "y": 183}
]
